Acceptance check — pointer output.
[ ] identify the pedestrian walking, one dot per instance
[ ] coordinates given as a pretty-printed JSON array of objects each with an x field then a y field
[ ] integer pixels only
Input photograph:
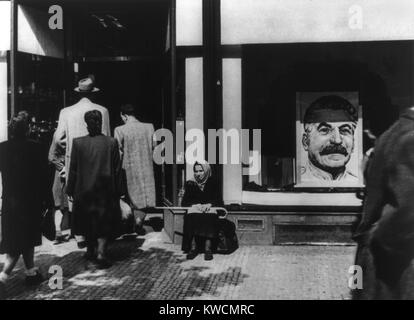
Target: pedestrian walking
[
  {"x": 72, "y": 125},
  {"x": 57, "y": 158},
  {"x": 95, "y": 185},
  {"x": 385, "y": 235},
  {"x": 135, "y": 140},
  {"x": 24, "y": 168}
]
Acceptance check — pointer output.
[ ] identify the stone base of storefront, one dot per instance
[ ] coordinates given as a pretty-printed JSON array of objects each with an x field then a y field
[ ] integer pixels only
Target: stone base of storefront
[{"x": 279, "y": 227}]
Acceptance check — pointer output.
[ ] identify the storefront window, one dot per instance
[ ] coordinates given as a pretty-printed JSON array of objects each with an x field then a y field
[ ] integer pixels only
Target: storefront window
[
  {"x": 315, "y": 103},
  {"x": 40, "y": 92}
]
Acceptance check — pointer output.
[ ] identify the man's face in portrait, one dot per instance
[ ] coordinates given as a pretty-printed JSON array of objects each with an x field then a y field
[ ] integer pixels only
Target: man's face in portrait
[{"x": 329, "y": 144}]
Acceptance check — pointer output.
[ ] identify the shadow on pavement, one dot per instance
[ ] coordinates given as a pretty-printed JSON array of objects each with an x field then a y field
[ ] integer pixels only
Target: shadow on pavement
[{"x": 152, "y": 273}]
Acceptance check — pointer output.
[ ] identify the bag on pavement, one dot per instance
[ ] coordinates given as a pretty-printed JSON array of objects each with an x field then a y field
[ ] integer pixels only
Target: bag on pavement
[{"x": 227, "y": 241}]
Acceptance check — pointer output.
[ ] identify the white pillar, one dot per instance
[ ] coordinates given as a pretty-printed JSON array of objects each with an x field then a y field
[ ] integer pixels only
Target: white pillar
[
  {"x": 5, "y": 24},
  {"x": 232, "y": 119},
  {"x": 193, "y": 100},
  {"x": 189, "y": 22},
  {"x": 3, "y": 112},
  {"x": 3, "y": 99}
]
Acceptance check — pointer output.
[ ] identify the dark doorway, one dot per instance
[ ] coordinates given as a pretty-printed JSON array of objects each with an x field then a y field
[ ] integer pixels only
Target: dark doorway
[
  {"x": 137, "y": 82},
  {"x": 126, "y": 45}
]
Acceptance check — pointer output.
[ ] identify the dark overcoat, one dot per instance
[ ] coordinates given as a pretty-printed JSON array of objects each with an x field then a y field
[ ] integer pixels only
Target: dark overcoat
[
  {"x": 385, "y": 235},
  {"x": 24, "y": 170},
  {"x": 95, "y": 184},
  {"x": 197, "y": 224}
]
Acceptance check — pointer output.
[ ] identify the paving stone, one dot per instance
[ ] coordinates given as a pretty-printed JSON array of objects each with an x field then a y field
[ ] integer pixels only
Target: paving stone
[{"x": 150, "y": 267}]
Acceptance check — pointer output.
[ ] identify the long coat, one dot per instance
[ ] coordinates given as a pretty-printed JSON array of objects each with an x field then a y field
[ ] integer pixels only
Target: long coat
[
  {"x": 24, "y": 169},
  {"x": 198, "y": 224},
  {"x": 135, "y": 140},
  {"x": 96, "y": 185},
  {"x": 385, "y": 235},
  {"x": 57, "y": 158},
  {"x": 72, "y": 125}
]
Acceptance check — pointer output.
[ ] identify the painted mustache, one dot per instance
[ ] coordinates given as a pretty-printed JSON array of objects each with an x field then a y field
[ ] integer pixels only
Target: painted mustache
[{"x": 330, "y": 149}]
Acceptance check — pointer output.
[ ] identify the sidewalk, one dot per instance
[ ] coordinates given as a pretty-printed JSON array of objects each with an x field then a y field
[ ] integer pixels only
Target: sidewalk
[{"x": 150, "y": 267}]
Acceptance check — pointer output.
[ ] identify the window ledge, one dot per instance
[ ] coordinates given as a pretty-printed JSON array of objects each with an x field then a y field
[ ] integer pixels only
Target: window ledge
[{"x": 300, "y": 199}]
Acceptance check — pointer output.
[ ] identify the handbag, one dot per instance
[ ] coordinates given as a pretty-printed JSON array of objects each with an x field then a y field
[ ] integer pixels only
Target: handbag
[
  {"x": 48, "y": 224},
  {"x": 227, "y": 241}
]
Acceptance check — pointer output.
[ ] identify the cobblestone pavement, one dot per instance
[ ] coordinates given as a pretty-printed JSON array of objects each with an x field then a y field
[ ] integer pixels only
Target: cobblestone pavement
[{"x": 150, "y": 267}]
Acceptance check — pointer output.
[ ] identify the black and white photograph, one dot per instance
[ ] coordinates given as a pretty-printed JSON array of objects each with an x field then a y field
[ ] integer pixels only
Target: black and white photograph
[
  {"x": 329, "y": 139},
  {"x": 206, "y": 155}
]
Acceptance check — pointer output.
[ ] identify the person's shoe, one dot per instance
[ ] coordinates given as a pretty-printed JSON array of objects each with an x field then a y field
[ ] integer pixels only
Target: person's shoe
[
  {"x": 140, "y": 230},
  {"x": 192, "y": 254},
  {"x": 129, "y": 236},
  {"x": 60, "y": 239},
  {"x": 34, "y": 280},
  {"x": 103, "y": 263},
  {"x": 208, "y": 256},
  {"x": 89, "y": 256},
  {"x": 81, "y": 244}
]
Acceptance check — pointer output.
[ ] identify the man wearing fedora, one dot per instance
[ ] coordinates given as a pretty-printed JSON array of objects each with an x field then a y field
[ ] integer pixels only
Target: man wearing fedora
[{"x": 71, "y": 125}]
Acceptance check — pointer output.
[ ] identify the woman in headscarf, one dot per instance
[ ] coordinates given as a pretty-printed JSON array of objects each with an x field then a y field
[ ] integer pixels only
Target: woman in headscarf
[{"x": 200, "y": 223}]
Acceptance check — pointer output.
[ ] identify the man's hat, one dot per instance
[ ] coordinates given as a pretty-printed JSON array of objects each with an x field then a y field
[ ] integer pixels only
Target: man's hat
[
  {"x": 87, "y": 84},
  {"x": 330, "y": 108}
]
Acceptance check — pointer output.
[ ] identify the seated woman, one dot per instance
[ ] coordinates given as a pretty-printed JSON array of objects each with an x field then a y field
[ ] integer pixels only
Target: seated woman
[{"x": 200, "y": 223}]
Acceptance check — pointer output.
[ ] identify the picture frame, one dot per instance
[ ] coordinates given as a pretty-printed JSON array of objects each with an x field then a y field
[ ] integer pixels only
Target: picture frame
[{"x": 318, "y": 163}]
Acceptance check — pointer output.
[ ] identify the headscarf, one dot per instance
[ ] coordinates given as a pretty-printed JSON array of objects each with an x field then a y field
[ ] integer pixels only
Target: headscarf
[{"x": 201, "y": 181}]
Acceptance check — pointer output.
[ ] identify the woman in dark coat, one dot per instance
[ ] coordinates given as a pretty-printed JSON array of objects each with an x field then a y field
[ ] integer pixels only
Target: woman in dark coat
[
  {"x": 95, "y": 184},
  {"x": 24, "y": 170},
  {"x": 200, "y": 223}
]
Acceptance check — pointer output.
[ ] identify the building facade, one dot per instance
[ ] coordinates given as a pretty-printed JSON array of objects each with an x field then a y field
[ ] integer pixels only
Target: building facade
[{"x": 232, "y": 65}]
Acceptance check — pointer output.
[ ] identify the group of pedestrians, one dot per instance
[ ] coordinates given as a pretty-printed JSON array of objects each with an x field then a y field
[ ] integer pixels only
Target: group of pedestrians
[
  {"x": 94, "y": 176},
  {"x": 93, "y": 173},
  {"x": 101, "y": 169}
]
